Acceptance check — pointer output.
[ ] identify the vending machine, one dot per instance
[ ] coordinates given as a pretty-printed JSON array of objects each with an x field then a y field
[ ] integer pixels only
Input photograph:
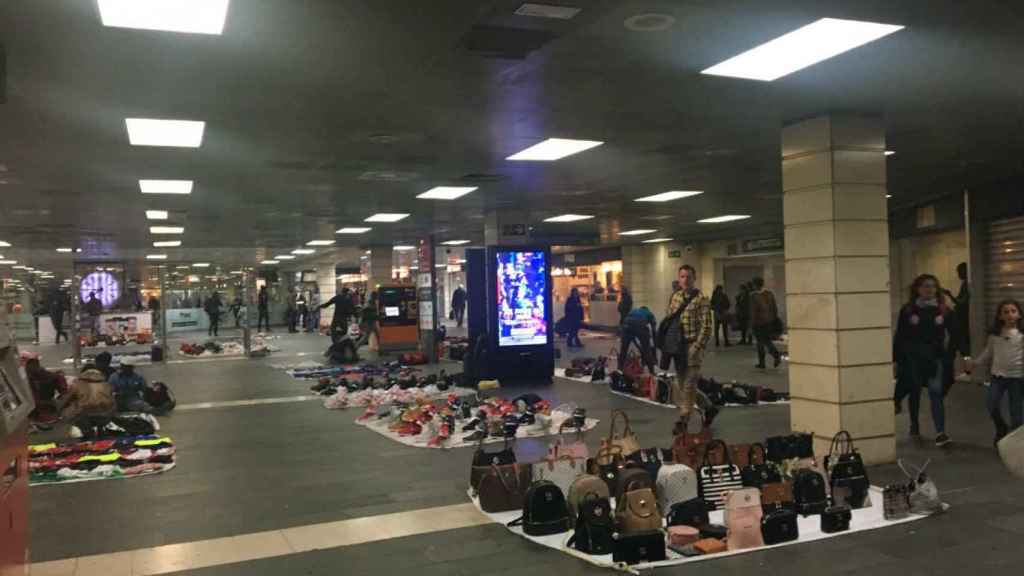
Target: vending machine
[
  {"x": 16, "y": 403},
  {"x": 398, "y": 317}
]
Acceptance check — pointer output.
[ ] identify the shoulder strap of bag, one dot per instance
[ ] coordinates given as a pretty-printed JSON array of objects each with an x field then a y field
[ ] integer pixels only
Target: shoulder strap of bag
[
  {"x": 615, "y": 416},
  {"x": 686, "y": 302}
]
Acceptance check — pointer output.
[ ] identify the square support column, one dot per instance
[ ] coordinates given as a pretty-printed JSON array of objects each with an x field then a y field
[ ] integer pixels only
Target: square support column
[{"x": 837, "y": 282}]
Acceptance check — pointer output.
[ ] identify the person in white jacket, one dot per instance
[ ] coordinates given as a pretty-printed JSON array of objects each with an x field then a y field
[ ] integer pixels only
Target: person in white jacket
[{"x": 1004, "y": 355}]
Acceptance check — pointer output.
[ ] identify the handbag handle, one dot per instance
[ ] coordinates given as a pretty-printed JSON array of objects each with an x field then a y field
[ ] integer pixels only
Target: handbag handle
[
  {"x": 750, "y": 453},
  {"x": 627, "y": 430},
  {"x": 842, "y": 443},
  {"x": 726, "y": 457},
  {"x": 568, "y": 423}
]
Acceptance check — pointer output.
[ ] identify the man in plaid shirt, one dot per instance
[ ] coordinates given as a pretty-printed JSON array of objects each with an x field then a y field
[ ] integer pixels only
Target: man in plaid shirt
[{"x": 696, "y": 324}]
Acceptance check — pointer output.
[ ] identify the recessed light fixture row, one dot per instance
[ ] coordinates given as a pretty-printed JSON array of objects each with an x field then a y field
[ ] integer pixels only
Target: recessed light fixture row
[
  {"x": 188, "y": 16},
  {"x": 320, "y": 243},
  {"x": 303, "y": 251},
  {"x": 353, "y": 230},
  {"x": 446, "y": 192},
  {"x": 156, "y": 257},
  {"x": 403, "y": 248},
  {"x": 167, "y": 244},
  {"x": 166, "y": 229},
  {"x": 4, "y": 244},
  {"x": 162, "y": 132},
  {"x": 669, "y": 196},
  {"x": 455, "y": 242},
  {"x": 386, "y": 217},
  {"x": 284, "y": 257},
  {"x": 637, "y": 232},
  {"x": 656, "y": 240},
  {"x": 156, "y": 215},
  {"x": 568, "y": 218},
  {"x": 165, "y": 186},
  {"x": 725, "y": 218},
  {"x": 269, "y": 262},
  {"x": 554, "y": 149},
  {"x": 65, "y": 250}
]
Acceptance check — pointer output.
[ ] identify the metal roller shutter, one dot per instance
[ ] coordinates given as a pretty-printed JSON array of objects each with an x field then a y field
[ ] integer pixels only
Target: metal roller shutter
[{"x": 1004, "y": 270}]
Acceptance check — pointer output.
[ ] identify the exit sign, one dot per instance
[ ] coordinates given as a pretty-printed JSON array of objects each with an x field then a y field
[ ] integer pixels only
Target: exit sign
[{"x": 675, "y": 253}]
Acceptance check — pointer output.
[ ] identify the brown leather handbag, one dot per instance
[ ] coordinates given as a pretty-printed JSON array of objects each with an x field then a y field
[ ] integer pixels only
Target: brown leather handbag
[
  {"x": 775, "y": 495},
  {"x": 689, "y": 448},
  {"x": 624, "y": 442},
  {"x": 637, "y": 511},
  {"x": 503, "y": 488}
]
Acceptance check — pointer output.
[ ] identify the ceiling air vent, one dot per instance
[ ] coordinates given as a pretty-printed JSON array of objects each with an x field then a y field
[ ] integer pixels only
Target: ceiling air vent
[
  {"x": 481, "y": 178},
  {"x": 388, "y": 176},
  {"x": 547, "y": 11},
  {"x": 508, "y": 43}
]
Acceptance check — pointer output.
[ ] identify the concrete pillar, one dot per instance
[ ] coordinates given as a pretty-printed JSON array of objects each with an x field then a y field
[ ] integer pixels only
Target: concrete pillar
[
  {"x": 381, "y": 262},
  {"x": 506, "y": 228},
  {"x": 649, "y": 269},
  {"x": 327, "y": 283},
  {"x": 837, "y": 280}
]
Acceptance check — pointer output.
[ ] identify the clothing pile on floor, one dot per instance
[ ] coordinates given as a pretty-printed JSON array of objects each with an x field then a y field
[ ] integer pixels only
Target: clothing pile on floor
[
  {"x": 630, "y": 508},
  {"x": 594, "y": 369},
  {"x": 116, "y": 359},
  {"x": 259, "y": 347},
  {"x": 315, "y": 371},
  {"x": 126, "y": 457},
  {"x": 122, "y": 425},
  {"x": 403, "y": 387},
  {"x": 104, "y": 340}
]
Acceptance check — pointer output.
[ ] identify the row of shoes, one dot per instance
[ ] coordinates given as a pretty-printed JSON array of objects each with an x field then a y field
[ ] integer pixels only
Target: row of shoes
[{"x": 404, "y": 380}]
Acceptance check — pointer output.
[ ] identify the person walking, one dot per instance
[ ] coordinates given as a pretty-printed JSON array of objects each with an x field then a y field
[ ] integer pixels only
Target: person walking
[
  {"x": 57, "y": 311},
  {"x": 368, "y": 321},
  {"x": 638, "y": 326},
  {"x": 154, "y": 309},
  {"x": 236, "y": 310},
  {"x": 764, "y": 318},
  {"x": 344, "y": 309},
  {"x": 687, "y": 329},
  {"x": 93, "y": 309},
  {"x": 459, "y": 304},
  {"x": 919, "y": 350},
  {"x": 263, "y": 309},
  {"x": 1004, "y": 357},
  {"x": 720, "y": 305},
  {"x": 574, "y": 319},
  {"x": 625, "y": 305},
  {"x": 213, "y": 306},
  {"x": 743, "y": 313},
  {"x": 291, "y": 313},
  {"x": 301, "y": 309},
  {"x": 313, "y": 318}
]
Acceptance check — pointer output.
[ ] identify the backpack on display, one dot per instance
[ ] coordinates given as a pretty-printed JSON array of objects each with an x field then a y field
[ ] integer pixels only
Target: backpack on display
[
  {"x": 758, "y": 471},
  {"x": 632, "y": 478},
  {"x": 693, "y": 512},
  {"x": 676, "y": 483},
  {"x": 809, "y": 492},
  {"x": 594, "y": 528},
  {"x": 637, "y": 511},
  {"x": 780, "y": 526},
  {"x": 638, "y": 547},
  {"x": 847, "y": 476},
  {"x": 650, "y": 459},
  {"x": 544, "y": 510},
  {"x": 743, "y": 515},
  {"x": 715, "y": 480},
  {"x": 585, "y": 489}
]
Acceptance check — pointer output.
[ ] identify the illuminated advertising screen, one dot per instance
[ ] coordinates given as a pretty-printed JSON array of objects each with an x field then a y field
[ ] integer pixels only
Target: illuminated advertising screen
[
  {"x": 103, "y": 285},
  {"x": 522, "y": 289}
]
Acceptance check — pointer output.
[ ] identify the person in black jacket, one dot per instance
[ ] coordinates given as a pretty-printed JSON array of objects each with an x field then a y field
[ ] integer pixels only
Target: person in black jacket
[
  {"x": 459, "y": 304},
  {"x": 57, "y": 311},
  {"x": 344, "y": 309},
  {"x": 574, "y": 319},
  {"x": 625, "y": 305},
  {"x": 743, "y": 314},
  {"x": 919, "y": 350},
  {"x": 720, "y": 306},
  {"x": 263, "y": 309},
  {"x": 213, "y": 306}
]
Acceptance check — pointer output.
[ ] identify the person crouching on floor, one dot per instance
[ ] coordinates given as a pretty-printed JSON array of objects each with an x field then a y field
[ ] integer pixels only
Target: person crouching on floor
[
  {"x": 90, "y": 396},
  {"x": 129, "y": 388}
]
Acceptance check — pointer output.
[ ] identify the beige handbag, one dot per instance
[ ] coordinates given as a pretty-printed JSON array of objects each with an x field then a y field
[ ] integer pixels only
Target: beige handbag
[
  {"x": 637, "y": 511},
  {"x": 743, "y": 518},
  {"x": 624, "y": 442}
]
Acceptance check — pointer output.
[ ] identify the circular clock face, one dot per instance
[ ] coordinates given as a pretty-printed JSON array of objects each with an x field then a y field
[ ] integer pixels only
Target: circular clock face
[{"x": 104, "y": 285}]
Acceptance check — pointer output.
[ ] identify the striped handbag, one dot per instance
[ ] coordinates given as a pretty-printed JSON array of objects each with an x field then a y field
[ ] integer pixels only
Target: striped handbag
[{"x": 714, "y": 480}]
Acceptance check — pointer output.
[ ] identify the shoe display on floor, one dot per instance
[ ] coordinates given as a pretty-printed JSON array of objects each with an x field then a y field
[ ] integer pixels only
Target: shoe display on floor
[
  {"x": 943, "y": 440},
  {"x": 471, "y": 425},
  {"x": 475, "y": 436}
]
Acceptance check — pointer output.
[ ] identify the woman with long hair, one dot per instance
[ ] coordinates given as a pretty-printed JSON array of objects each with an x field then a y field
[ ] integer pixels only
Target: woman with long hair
[
  {"x": 1004, "y": 357},
  {"x": 920, "y": 352}
]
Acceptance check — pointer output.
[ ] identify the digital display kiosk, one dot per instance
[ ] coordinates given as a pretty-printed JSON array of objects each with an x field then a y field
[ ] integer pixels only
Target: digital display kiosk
[{"x": 519, "y": 314}]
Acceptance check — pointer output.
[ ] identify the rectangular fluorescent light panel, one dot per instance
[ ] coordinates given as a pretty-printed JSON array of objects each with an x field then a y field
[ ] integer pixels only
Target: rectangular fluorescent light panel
[
  {"x": 669, "y": 196},
  {"x": 446, "y": 192},
  {"x": 890, "y": 152},
  {"x": 167, "y": 244},
  {"x": 189, "y": 16},
  {"x": 284, "y": 257},
  {"x": 386, "y": 217},
  {"x": 65, "y": 250},
  {"x": 353, "y": 230},
  {"x": 801, "y": 48},
  {"x": 156, "y": 214},
  {"x": 8, "y": 262},
  {"x": 404, "y": 248},
  {"x": 201, "y": 265},
  {"x": 547, "y": 11},
  {"x": 302, "y": 251},
  {"x": 721, "y": 219},
  {"x": 165, "y": 186},
  {"x": 4, "y": 244},
  {"x": 269, "y": 262},
  {"x": 568, "y": 218},
  {"x": 554, "y": 149},
  {"x": 455, "y": 242},
  {"x": 166, "y": 229},
  {"x": 156, "y": 257},
  {"x": 637, "y": 232},
  {"x": 157, "y": 132},
  {"x": 320, "y": 243},
  {"x": 656, "y": 240}
]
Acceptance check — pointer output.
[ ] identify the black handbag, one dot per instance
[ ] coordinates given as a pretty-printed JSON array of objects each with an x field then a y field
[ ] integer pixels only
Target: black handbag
[
  {"x": 692, "y": 512},
  {"x": 759, "y": 474},
  {"x": 638, "y": 547},
  {"x": 648, "y": 458},
  {"x": 779, "y": 526},
  {"x": 809, "y": 492},
  {"x": 847, "y": 476},
  {"x": 483, "y": 460},
  {"x": 791, "y": 446},
  {"x": 594, "y": 528},
  {"x": 836, "y": 519},
  {"x": 716, "y": 531}
]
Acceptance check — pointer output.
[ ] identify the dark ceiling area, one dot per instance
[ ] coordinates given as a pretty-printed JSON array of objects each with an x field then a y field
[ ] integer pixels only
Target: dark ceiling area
[{"x": 320, "y": 113}]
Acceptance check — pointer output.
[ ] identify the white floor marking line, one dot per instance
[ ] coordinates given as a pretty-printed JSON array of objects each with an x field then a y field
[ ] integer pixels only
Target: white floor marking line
[
  {"x": 261, "y": 545},
  {"x": 250, "y": 402}
]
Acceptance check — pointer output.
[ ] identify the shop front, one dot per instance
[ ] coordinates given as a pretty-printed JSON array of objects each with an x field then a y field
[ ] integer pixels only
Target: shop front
[{"x": 597, "y": 276}]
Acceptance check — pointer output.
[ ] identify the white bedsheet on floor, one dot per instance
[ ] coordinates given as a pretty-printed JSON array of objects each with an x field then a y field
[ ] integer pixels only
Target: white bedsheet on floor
[
  {"x": 560, "y": 372},
  {"x": 421, "y": 441}
]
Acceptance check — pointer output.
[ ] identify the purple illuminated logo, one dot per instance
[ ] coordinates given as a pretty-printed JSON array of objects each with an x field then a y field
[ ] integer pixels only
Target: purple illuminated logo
[{"x": 104, "y": 285}]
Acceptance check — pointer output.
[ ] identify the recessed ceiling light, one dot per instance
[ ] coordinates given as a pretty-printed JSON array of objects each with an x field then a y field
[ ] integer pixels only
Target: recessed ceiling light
[
  {"x": 446, "y": 192},
  {"x": 303, "y": 251},
  {"x": 156, "y": 214},
  {"x": 65, "y": 250},
  {"x": 669, "y": 196},
  {"x": 890, "y": 152},
  {"x": 284, "y": 257},
  {"x": 201, "y": 265},
  {"x": 78, "y": 250},
  {"x": 547, "y": 11},
  {"x": 21, "y": 267},
  {"x": 320, "y": 243},
  {"x": 4, "y": 244},
  {"x": 637, "y": 232},
  {"x": 181, "y": 267},
  {"x": 888, "y": 195},
  {"x": 568, "y": 218},
  {"x": 165, "y": 186},
  {"x": 269, "y": 262},
  {"x": 455, "y": 242},
  {"x": 191, "y": 16},
  {"x": 386, "y": 217},
  {"x": 167, "y": 244},
  {"x": 401, "y": 248},
  {"x": 656, "y": 240},
  {"x": 725, "y": 218},
  {"x": 554, "y": 149},
  {"x": 353, "y": 230},
  {"x": 156, "y": 132},
  {"x": 166, "y": 229},
  {"x": 440, "y": 265},
  {"x": 156, "y": 257},
  {"x": 801, "y": 48},
  {"x": 8, "y": 262}
]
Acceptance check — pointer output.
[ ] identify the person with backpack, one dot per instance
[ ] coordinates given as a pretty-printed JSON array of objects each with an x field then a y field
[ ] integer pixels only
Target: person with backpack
[
  {"x": 213, "y": 306},
  {"x": 684, "y": 335},
  {"x": 743, "y": 313},
  {"x": 764, "y": 318},
  {"x": 1004, "y": 357},
  {"x": 720, "y": 306}
]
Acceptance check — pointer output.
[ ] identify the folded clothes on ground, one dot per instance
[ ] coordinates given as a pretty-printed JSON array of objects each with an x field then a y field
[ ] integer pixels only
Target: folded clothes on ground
[{"x": 96, "y": 460}]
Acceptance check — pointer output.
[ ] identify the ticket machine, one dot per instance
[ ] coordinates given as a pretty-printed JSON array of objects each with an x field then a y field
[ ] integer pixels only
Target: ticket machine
[
  {"x": 15, "y": 404},
  {"x": 398, "y": 316}
]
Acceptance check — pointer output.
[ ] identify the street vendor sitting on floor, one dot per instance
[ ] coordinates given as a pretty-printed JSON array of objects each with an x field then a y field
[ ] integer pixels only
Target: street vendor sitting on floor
[
  {"x": 90, "y": 396},
  {"x": 129, "y": 388}
]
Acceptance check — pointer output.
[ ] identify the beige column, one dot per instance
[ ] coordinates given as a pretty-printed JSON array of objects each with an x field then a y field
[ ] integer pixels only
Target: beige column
[
  {"x": 327, "y": 283},
  {"x": 381, "y": 263},
  {"x": 837, "y": 282},
  {"x": 648, "y": 271}
]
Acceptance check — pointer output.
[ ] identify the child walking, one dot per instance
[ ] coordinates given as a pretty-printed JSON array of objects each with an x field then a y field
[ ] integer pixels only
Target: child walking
[{"x": 1004, "y": 355}]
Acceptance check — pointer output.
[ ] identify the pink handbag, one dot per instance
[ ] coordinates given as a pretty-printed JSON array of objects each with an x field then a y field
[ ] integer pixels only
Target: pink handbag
[
  {"x": 743, "y": 514},
  {"x": 560, "y": 449},
  {"x": 680, "y": 536}
]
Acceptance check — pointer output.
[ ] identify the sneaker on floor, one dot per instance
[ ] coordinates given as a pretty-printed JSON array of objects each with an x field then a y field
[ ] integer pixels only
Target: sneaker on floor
[{"x": 943, "y": 440}]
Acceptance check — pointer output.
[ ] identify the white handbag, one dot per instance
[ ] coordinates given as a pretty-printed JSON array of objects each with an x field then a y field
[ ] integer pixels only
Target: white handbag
[
  {"x": 562, "y": 472},
  {"x": 676, "y": 483}
]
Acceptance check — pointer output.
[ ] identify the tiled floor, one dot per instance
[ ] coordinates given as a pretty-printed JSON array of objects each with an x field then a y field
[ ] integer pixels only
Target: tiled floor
[{"x": 267, "y": 484}]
